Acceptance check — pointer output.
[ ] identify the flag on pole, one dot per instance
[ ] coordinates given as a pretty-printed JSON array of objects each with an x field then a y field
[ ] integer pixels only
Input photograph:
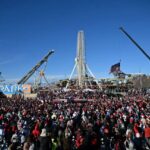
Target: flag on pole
[{"x": 115, "y": 68}]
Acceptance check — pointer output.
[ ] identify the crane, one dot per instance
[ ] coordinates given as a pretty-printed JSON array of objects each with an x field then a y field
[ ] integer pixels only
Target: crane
[
  {"x": 139, "y": 47},
  {"x": 35, "y": 68}
]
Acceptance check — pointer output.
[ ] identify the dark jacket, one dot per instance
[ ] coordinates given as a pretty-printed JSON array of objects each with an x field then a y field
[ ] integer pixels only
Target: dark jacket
[{"x": 45, "y": 143}]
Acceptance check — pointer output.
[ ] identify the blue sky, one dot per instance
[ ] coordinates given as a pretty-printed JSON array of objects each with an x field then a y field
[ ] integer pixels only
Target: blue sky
[{"x": 29, "y": 28}]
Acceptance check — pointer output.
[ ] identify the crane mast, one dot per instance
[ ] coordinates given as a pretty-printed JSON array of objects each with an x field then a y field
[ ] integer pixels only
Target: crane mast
[
  {"x": 32, "y": 71},
  {"x": 141, "y": 49}
]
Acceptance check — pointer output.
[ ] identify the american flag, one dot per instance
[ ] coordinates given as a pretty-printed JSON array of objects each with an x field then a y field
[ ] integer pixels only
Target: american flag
[{"x": 115, "y": 68}]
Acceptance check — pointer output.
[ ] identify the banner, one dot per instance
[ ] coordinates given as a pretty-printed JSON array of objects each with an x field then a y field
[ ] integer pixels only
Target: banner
[{"x": 15, "y": 89}]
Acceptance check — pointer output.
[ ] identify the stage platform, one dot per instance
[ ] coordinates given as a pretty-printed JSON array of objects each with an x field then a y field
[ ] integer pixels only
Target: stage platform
[{"x": 73, "y": 101}]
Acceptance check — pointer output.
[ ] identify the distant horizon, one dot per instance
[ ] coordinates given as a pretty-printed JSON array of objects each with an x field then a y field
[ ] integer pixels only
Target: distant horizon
[{"x": 56, "y": 78}]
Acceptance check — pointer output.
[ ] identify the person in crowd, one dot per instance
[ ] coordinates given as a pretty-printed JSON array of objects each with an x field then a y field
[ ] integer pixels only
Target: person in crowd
[
  {"x": 29, "y": 144},
  {"x": 45, "y": 141}
]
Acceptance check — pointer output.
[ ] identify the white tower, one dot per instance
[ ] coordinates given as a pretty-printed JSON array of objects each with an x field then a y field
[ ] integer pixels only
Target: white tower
[{"x": 83, "y": 71}]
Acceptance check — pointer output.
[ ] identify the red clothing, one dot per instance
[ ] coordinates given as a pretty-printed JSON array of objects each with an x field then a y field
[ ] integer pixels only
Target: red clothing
[
  {"x": 1, "y": 117},
  {"x": 94, "y": 141},
  {"x": 79, "y": 141},
  {"x": 36, "y": 131},
  {"x": 136, "y": 128},
  {"x": 147, "y": 132}
]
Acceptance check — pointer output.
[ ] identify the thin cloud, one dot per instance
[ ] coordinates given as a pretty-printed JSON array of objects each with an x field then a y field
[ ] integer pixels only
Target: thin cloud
[
  {"x": 11, "y": 81},
  {"x": 6, "y": 62},
  {"x": 11, "y": 60}
]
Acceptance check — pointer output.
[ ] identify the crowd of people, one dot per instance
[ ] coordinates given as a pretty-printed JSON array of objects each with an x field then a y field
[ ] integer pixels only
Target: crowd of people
[
  {"x": 69, "y": 94},
  {"x": 107, "y": 123}
]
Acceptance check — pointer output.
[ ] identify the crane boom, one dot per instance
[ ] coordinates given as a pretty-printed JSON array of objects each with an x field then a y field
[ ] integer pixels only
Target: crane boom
[
  {"x": 32, "y": 71},
  {"x": 141, "y": 49}
]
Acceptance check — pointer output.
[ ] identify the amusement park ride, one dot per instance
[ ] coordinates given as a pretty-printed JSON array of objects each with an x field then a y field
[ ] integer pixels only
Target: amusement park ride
[
  {"x": 85, "y": 77},
  {"x": 133, "y": 41},
  {"x": 40, "y": 73}
]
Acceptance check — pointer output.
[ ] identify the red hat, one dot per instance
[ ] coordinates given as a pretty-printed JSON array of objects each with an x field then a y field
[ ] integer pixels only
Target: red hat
[{"x": 131, "y": 120}]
